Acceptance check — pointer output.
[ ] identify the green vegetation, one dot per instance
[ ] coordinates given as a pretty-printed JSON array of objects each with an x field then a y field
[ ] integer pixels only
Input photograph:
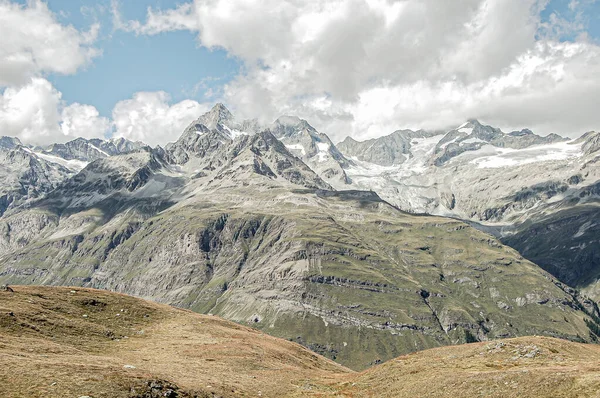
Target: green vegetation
[{"x": 322, "y": 271}]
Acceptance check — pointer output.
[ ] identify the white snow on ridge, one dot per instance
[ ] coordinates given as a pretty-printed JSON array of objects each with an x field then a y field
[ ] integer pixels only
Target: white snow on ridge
[
  {"x": 323, "y": 153},
  {"x": 233, "y": 133},
  {"x": 99, "y": 150},
  {"x": 467, "y": 130},
  {"x": 73, "y": 164},
  {"x": 445, "y": 144},
  {"x": 421, "y": 150},
  {"x": 507, "y": 157},
  {"x": 296, "y": 147}
]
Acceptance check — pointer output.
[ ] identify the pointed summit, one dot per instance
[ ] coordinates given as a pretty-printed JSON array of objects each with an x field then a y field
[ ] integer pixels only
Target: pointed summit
[
  {"x": 469, "y": 124},
  {"x": 286, "y": 126},
  {"x": 473, "y": 122},
  {"x": 219, "y": 114}
]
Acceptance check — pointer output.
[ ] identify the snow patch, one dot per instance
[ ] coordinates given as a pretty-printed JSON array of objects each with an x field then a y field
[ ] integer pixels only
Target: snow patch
[
  {"x": 323, "y": 153},
  {"x": 296, "y": 147},
  {"x": 467, "y": 130},
  {"x": 73, "y": 164},
  {"x": 583, "y": 228},
  {"x": 445, "y": 144},
  {"x": 99, "y": 150},
  {"x": 234, "y": 133},
  {"x": 472, "y": 140},
  {"x": 507, "y": 157}
]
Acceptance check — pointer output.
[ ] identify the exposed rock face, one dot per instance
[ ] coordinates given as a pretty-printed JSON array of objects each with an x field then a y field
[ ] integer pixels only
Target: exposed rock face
[
  {"x": 566, "y": 243},
  {"x": 240, "y": 227},
  {"x": 8, "y": 143},
  {"x": 314, "y": 148},
  {"x": 591, "y": 142}
]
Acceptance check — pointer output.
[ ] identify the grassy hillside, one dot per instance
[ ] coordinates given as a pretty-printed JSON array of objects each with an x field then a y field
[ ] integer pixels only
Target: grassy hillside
[
  {"x": 71, "y": 342},
  {"x": 74, "y": 342}
]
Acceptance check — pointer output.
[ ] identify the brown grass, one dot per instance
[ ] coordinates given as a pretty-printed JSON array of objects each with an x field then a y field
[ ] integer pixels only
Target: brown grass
[
  {"x": 72, "y": 342},
  {"x": 49, "y": 349}
]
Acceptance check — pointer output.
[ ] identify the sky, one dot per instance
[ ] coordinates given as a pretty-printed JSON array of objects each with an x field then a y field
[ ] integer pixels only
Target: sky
[{"x": 145, "y": 69}]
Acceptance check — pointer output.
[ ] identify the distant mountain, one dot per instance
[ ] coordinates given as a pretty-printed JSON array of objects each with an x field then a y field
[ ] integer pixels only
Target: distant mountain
[
  {"x": 472, "y": 136},
  {"x": 89, "y": 150},
  {"x": 393, "y": 149},
  {"x": 538, "y": 194},
  {"x": 25, "y": 175},
  {"x": 219, "y": 126},
  {"x": 314, "y": 148},
  {"x": 31, "y": 172},
  {"x": 234, "y": 222},
  {"x": 220, "y": 120}
]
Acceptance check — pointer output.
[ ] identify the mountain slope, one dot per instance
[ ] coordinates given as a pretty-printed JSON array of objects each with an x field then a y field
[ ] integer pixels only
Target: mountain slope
[
  {"x": 73, "y": 342},
  {"x": 513, "y": 368}
]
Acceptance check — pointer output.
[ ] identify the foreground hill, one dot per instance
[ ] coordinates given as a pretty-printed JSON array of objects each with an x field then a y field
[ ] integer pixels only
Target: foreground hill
[{"x": 74, "y": 342}]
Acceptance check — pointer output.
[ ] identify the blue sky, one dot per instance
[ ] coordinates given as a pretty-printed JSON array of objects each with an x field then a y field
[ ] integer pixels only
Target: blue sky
[
  {"x": 173, "y": 62},
  {"x": 589, "y": 13},
  {"x": 350, "y": 67}
]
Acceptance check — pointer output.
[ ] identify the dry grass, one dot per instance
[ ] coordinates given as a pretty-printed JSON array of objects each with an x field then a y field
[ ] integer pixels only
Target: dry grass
[
  {"x": 72, "y": 342},
  {"x": 49, "y": 349},
  {"x": 519, "y": 367}
]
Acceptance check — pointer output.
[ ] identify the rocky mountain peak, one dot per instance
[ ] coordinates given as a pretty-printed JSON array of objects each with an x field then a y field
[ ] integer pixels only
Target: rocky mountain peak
[
  {"x": 313, "y": 147},
  {"x": 219, "y": 114},
  {"x": 471, "y": 123},
  {"x": 286, "y": 126},
  {"x": 9, "y": 142},
  {"x": 88, "y": 150},
  {"x": 591, "y": 142}
]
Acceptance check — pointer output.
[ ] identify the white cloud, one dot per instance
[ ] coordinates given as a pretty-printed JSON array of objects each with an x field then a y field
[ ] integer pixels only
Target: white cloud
[
  {"x": 367, "y": 67},
  {"x": 180, "y": 18},
  {"x": 149, "y": 117},
  {"x": 83, "y": 121},
  {"x": 33, "y": 42},
  {"x": 36, "y": 114},
  {"x": 31, "y": 112}
]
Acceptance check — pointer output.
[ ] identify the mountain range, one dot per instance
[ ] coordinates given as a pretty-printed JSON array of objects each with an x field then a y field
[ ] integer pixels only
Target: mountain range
[{"x": 326, "y": 245}]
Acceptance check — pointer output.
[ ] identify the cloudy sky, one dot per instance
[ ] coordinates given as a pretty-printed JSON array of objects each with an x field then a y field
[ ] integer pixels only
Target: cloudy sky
[{"x": 144, "y": 69}]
